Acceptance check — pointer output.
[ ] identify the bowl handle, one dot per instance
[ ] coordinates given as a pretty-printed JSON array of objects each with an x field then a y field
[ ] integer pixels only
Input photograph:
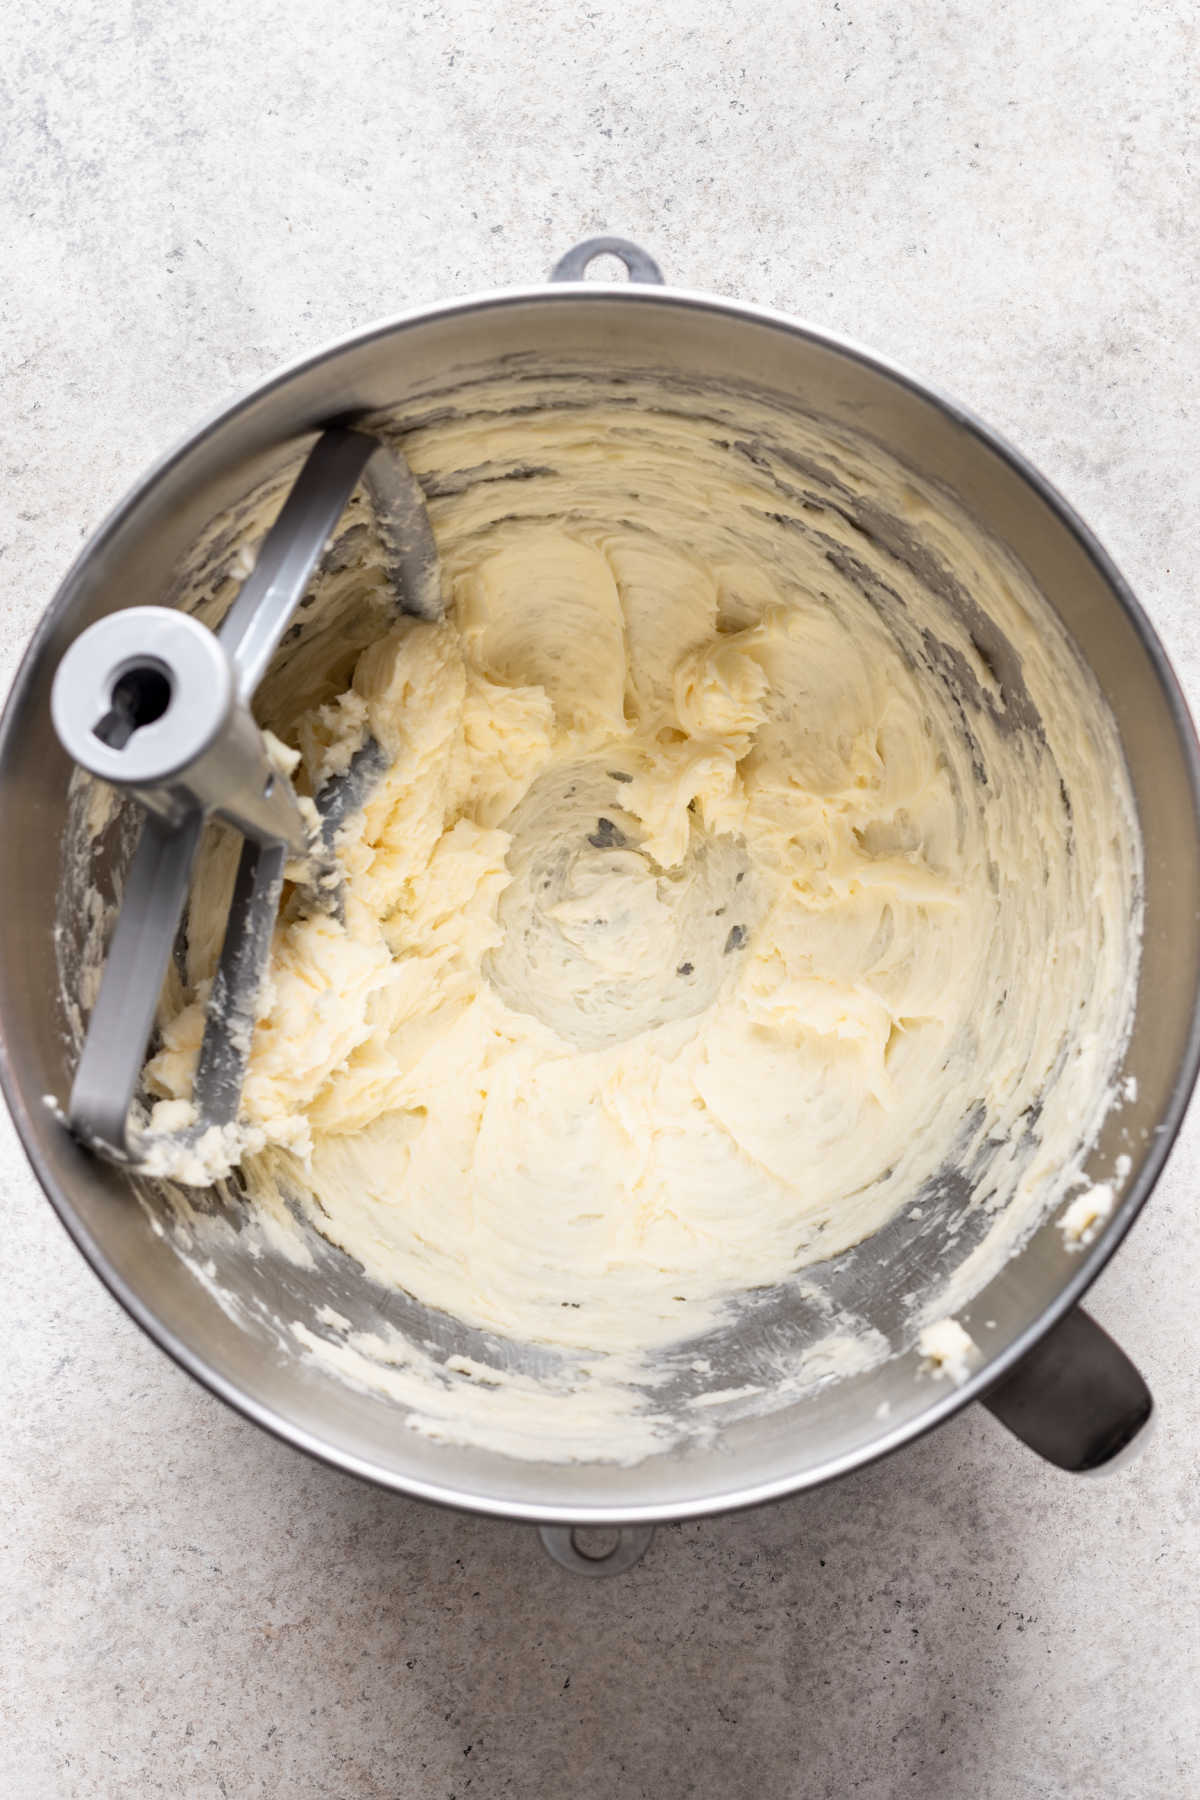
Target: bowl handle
[
  {"x": 1075, "y": 1398},
  {"x": 640, "y": 264}
]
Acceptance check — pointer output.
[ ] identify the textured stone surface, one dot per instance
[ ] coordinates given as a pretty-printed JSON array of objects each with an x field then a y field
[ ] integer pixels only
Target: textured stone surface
[{"x": 1004, "y": 199}]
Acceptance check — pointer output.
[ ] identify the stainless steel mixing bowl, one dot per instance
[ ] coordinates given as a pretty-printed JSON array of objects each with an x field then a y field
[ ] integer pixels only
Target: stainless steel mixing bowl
[{"x": 1047, "y": 1370}]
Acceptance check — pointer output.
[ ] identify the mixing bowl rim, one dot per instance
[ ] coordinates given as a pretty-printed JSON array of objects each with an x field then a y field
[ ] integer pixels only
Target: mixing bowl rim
[{"x": 1092, "y": 1259}]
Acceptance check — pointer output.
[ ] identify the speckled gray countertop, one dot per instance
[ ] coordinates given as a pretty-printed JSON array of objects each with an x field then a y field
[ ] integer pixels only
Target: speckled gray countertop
[{"x": 1003, "y": 198}]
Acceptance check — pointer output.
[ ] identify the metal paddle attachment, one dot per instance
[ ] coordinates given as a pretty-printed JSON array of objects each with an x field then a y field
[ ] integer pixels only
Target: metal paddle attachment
[{"x": 151, "y": 701}]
